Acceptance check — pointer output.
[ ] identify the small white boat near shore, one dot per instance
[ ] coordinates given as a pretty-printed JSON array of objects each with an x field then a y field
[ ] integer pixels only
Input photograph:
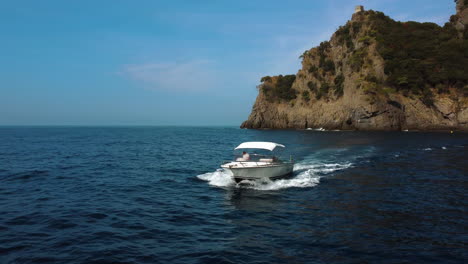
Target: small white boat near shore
[{"x": 254, "y": 166}]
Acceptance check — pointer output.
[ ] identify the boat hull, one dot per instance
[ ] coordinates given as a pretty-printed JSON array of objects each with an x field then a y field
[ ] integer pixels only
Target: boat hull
[{"x": 254, "y": 173}]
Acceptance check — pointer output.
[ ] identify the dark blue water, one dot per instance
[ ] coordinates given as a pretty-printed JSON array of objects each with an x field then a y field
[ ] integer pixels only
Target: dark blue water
[{"x": 154, "y": 195}]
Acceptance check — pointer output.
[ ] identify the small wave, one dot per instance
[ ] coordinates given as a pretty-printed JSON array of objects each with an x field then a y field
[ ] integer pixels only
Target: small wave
[
  {"x": 303, "y": 180},
  {"x": 96, "y": 216},
  {"x": 219, "y": 178},
  {"x": 27, "y": 175},
  {"x": 324, "y": 167},
  {"x": 59, "y": 224},
  {"x": 305, "y": 175},
  {"x": 427, "y": 149},
  {"x": 317, "y": 129},
  {"x": 7, "y": 250},
  {"x": 444, "y": 148}
]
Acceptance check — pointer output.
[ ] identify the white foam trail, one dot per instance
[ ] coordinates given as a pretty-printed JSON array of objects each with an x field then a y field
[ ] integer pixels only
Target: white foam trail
[
  {"x": 427, "y": 149},
  {"x": 321, "y": 166},
  {"x": 308, "y": 175},
  {"x": 318, "y": 129},
  {"x": 302, "y": 180},
  {"x": 219, "y": 178}
]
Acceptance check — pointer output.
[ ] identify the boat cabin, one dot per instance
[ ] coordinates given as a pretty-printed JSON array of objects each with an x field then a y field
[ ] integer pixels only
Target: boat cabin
[{"x": 257, "y": 152}]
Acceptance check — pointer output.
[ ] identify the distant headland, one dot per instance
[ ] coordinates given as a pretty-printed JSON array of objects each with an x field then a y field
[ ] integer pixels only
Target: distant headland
[{"x": 375, "y": 73}]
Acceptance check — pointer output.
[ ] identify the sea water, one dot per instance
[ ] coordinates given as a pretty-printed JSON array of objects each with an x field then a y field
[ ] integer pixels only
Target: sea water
[{"x": 157, "y": 195}]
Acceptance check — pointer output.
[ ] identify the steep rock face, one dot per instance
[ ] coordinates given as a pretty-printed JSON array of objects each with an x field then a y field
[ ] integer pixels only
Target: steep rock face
[
  {"x": 344, "y": 84},
  {"x": 460, "y": 19}
]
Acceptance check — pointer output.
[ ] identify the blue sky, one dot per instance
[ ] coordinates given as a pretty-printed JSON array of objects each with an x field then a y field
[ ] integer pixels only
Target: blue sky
[{"x": 161, "y": 62}]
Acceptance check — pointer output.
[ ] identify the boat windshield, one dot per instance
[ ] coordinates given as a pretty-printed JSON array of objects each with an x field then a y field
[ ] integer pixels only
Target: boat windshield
[{"x": 255, "y": 155}]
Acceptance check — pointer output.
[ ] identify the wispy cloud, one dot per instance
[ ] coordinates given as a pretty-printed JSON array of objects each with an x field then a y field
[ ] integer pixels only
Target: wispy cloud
[{"x": 195, "y": 75}]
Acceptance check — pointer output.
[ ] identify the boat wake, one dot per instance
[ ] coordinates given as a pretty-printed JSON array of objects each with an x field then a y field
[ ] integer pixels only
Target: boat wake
[{"x": 306, "y": 174}]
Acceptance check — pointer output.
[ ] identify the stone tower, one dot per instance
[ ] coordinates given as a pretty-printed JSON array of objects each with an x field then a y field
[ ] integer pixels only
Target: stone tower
[{"x": 358, "y": 9}]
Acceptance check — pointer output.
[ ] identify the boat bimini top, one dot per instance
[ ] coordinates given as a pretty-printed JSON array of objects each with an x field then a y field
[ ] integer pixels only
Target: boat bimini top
[{"x": 259, "y": 145}]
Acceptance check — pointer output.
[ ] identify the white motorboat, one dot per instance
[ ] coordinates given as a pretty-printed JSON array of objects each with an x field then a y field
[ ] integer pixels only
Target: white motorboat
[{"x": 253, "y": 166}]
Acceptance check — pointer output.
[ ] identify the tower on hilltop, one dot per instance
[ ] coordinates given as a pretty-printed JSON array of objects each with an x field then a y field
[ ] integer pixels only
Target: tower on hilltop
[{"x": 358, "y": 9}]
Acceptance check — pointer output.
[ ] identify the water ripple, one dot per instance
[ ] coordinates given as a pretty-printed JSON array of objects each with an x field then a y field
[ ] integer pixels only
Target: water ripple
[{"x": 154, "y": 195}]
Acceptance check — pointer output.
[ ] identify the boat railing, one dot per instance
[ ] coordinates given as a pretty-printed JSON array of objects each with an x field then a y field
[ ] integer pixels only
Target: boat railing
[
  {"x": 255, "y": 156},
  {"x": 256, "y": 163},
  {"x": 248, "y": 164}
]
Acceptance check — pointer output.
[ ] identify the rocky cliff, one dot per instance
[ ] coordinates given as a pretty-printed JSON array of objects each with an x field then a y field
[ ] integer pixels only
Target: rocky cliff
[
  {"x": 374, "y": 74},
  {"x": 460, "y": 19}
]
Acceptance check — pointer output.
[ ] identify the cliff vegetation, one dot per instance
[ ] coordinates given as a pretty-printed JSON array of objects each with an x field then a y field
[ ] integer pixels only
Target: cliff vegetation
[{"x": 374, "y": 73}]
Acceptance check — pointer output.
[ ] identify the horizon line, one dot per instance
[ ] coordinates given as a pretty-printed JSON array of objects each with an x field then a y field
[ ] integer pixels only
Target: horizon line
[{"x": 116, "y": 125}]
